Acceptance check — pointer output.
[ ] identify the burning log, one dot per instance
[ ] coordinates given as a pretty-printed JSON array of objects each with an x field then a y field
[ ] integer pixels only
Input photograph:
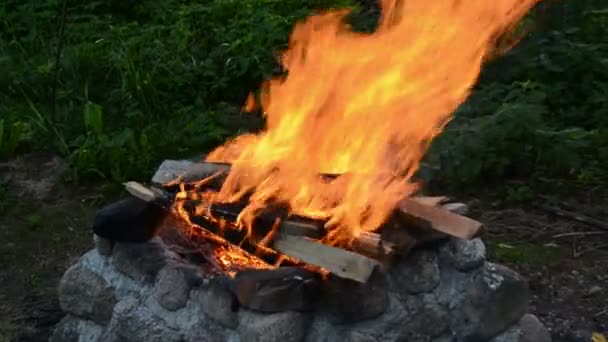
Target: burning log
[
  {"x": 289, "y": 240},
  {"x": 341, "y": 262},
  {"x": 420, "y": 211},
  {"x": 440, "y": 219}
]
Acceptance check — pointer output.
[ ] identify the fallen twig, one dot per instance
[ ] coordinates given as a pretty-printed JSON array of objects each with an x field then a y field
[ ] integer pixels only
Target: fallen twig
[
  {"x": 575, "y": 216},
  {"x": 578, "y": 254},
  {"x": 601, "y": 313},
  {"x": 601, "y": 232}
]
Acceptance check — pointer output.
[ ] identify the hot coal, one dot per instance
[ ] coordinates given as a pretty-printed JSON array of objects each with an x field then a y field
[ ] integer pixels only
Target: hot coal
[
  {"x": 129, "y": 220},
  {"x": 277, "y": 290}
]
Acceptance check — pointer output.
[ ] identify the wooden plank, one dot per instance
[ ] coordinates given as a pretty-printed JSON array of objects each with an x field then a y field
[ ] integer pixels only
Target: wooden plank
[
  {"x": 430, "y": 200},
  {"x": 441, "y": 219},
  {"x": 341, "y": 262}
]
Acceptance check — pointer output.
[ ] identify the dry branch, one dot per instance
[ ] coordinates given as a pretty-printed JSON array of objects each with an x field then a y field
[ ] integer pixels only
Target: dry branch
[{"x": 575, "y": 216}]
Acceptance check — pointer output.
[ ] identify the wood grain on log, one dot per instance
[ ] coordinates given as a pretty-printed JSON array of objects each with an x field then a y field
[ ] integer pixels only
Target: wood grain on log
[{"x": 341, "y": 262}]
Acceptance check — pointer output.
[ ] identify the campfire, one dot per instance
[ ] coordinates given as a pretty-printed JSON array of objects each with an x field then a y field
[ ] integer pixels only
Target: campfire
[
  {"x": 275, "y": 236},
  {"x": 321, "y": 212}
]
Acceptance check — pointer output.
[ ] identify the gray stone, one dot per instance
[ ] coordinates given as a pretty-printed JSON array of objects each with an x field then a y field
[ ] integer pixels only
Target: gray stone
[
  {"x": 513, "y": 334},
  {"x": 420, "y": 314},
  {"x": 205, "y": 332},
  {"x": 349, "y": 301},
  {"x": 444, "y": 338},
  {"x": 135, "y": 323},
  {"x": 85, "y": 294},
  {"x": 104, "y": 246},
  {"x": 170, "y": 170},
  {"x": 418, "y": 273},
  {"x": 464, "y": 255},
  {"x": 496, "y": 299},
  {"x": 171, "y": 289},
  {"x": 109, "y": 335},
  {"x": 73, "y": 329},
  {"x": 66, "y": 330},
  {"x": 289, "y": 326},
  {"x": 277, "y": 290},
  {"x": 387, "y": 327},
  {"x": 321, "y": 330},
  {"x": 532, "y": 330},
  {"x": 217, "y": 302},
  {"x": 140, "y": 261},
  {"x": 355, "y": 336}
]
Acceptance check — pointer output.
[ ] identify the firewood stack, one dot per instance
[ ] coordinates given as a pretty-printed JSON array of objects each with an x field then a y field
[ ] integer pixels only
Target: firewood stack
[{"x": 416, "y": 221}]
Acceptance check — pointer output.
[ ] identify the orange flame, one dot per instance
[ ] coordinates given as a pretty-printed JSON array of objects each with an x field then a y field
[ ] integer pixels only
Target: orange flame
[{"x": 364, "y": 105}]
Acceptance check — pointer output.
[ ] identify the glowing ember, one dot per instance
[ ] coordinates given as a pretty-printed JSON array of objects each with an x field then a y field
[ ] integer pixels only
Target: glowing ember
[{"x": 363, "y": 105}]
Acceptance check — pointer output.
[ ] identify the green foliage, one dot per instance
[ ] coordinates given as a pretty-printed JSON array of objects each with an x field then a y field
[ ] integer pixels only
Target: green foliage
[
  {"x": 137, "y": 81},
  {"x": 538, "y": 112},
  {"x": 523, "y": 253}
]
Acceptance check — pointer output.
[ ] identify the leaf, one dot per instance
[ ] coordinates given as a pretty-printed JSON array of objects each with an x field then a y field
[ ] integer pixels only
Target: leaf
[
  {"x": 597, "y": 337},
  {"x": 93, "y": 117},
  {"x": 1, "y": 134}
]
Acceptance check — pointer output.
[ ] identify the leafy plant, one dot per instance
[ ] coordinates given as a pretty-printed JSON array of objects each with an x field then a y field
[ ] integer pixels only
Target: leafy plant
[{"x": 10, "y": 137}]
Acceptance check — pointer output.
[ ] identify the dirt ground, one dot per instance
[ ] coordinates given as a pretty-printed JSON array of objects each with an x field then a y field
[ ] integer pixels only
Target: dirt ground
[{"x": 45, "y": 227}]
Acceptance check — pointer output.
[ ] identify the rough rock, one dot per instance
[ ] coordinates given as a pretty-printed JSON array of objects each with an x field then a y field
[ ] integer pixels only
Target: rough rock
[
  {"x": 532, "y": 330},
  {"x": 208, "y": 333},
  {"x": 72, "y": 329},
  {"x": 85, "y": 294},
  {"x": 289, "y": 326},
  {"x": 140, "y": 261},
  {"x": 464, "y": 255},
  {"x": 135, "y": 323},
  {"x": 513, "y": 334},
  {"x": 422, "y": 310},
  {"x": 276, "y": 290},
  {"x": 496, "y": 299},
  {"x": 104, "y": 246},
  {"x": 349, "y": 301},
  {"x": 418, "y": 273},
  {"x": 217, "y": 302},
  {"x": 321, "y": 330},
  {"x": 170, "y": 170},
  {"x": 386, "y": 327},
  {"x": 171, "y": 289},
  {"x": 129, "y": 220},
  {"x": 355, "y": 336}
]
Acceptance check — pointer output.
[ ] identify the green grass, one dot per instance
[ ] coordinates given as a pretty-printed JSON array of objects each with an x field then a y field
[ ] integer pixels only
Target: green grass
[{"x": 523, "y": 253}]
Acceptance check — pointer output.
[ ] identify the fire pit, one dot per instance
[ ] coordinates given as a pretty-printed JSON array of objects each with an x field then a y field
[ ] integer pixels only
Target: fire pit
[
  {"x": 168, "y": 286},
  {"x": 315, "y": 229}
]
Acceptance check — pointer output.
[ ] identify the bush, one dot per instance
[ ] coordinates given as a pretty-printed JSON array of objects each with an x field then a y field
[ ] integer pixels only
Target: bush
[
  {"x": 538, "y": 112},
  {"x": 137, "y": 81}
]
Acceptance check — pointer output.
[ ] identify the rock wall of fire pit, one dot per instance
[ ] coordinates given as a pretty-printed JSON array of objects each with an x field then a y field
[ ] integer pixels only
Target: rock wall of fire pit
[{"x": 144, "y": 292}]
